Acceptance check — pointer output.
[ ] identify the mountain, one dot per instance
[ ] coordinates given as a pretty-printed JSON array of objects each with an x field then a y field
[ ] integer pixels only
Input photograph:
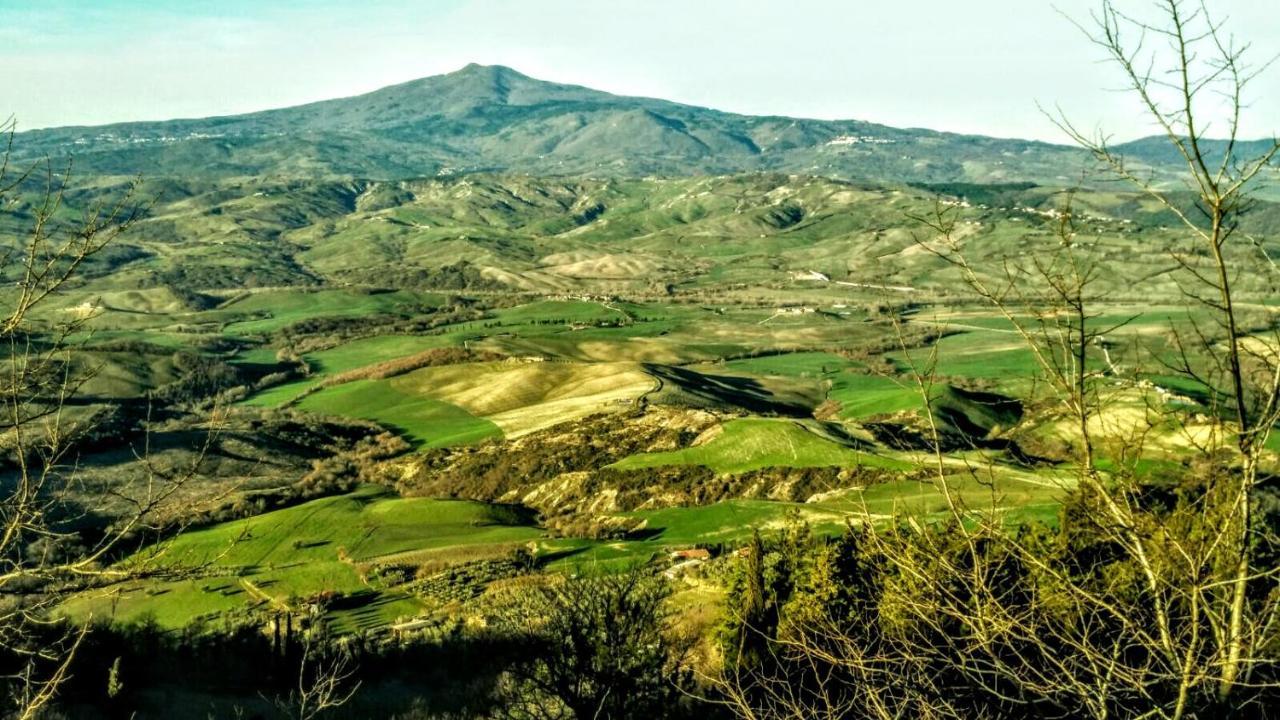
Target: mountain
[{"x": 494, "y": 119}]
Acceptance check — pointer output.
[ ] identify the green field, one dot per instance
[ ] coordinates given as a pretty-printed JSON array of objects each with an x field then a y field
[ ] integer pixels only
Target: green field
[
  {"x": 1017, "y": 494},
  {"x": 279, "y": 559},
  {"x": 795, "y": 364},
  {"x": 984, "y": 355},
  {"x": 570, "y": 359},
  {"x": 347, "y": 356},
  {"x": 283, "y": 556},
  {"x": 276, "y": 310},
  {"x": 859, "y": 393},
  {"x": 862, "y": 395},
  {"x": 690, "y": 321},
  {"x": 557, "y": 312},
  {"x": 745, "y": 445},
  {"x": 423, "y": 421}
]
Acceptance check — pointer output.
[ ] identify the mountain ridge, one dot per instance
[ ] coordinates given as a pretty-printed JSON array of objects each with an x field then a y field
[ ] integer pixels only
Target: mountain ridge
[
  {"x": 501, "y": 73},
  {"x": 492, "y": 118}
]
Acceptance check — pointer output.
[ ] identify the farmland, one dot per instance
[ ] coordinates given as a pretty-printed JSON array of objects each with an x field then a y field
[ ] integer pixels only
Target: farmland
[
  {"x": 764, "y": 377},
  {"x": 744, "y": 370},
  {"x": 484, "y": 397}
]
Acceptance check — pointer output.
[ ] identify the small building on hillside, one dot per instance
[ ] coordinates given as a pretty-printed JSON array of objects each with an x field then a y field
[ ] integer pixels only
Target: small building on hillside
[{"x": 691, "y": 554}]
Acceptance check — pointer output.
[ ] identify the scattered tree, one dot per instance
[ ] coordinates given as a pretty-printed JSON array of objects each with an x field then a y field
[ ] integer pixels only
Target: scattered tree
[
  {"x": 43, "y": 247},
  {"x": 1155, "y": 597}
]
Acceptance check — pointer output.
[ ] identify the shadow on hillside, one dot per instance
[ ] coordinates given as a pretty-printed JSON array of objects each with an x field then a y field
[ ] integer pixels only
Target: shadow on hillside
[
  {"x": 898, "y": 436},
  {"x": 965, "y": 420},
  {"x": 682, "y": 387}
]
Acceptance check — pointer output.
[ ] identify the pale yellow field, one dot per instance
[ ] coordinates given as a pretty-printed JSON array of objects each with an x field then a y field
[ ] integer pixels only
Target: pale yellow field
[
  {"x": 523, "y": 397},
  {"x": 151, "y": 300},
  {"x": 634, "y": 350},
  {"x": 612, "y": 265},
  {"x": 1137, "y": 420}
]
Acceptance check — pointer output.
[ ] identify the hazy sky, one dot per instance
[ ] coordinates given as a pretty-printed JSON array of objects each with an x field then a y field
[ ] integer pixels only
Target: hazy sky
[{"x": 969, "y": 66}]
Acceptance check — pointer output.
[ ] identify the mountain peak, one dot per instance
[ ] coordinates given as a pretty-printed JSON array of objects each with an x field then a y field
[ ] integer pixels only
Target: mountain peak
[
  {"x": 494, "y": 118},
  {"x": 476, "y": 84},
  {"x": 481, "y": 69}
]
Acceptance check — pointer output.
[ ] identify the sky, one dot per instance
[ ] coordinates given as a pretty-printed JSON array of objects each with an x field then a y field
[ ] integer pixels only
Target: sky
[{"x": 975, "y": 66}]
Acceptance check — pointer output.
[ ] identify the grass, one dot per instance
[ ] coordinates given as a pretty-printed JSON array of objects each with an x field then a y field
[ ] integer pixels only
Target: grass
[
  {"x": 556, "y": 311},
  {"x": 424, "y": 421},
  {"x": 1273, "y": 441},
  {"x": 280, "y": 394},
  {"x": 794, "y": 364},
  {"x": 278, "y": 309},
  {"x": 482, "y": 399},
  {"x": 729, "y": 522},
  {"x": 1011, "y": 492},
  {"x": 264, "y": 355},
  {"x": 862, "y": 395},
  {"x": 985, "y": 355},
  {"x": 348, "y": 356},
  {"x": 373, "y": 350},
  {"x": 755, "y": 443},
  {"x": 1022, "y": 499},
  {"x": 280, "y": 556},
  {"x": 703, "y": 240},
  {"x": 365, "y": 524}
]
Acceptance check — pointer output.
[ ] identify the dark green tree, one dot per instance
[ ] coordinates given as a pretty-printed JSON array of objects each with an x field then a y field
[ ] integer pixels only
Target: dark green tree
[
  {"x": 753, "y": 599},
  {"x": 596, "y": 647}
]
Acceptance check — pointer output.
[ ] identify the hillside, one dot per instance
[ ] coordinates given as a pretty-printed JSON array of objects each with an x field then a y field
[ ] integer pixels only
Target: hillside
[
  {"x": 492, "y": 118},
  {"x": 653, "y": 237}
]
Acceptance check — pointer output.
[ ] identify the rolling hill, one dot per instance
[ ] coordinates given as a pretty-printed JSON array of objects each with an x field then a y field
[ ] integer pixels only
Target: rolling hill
[{"x": 555, "y": 236}]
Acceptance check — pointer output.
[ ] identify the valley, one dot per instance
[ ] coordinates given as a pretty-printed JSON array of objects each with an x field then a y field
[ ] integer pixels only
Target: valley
[
  {"x": 686, "y": 361},
  {"x": 482, "y": 396}
]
